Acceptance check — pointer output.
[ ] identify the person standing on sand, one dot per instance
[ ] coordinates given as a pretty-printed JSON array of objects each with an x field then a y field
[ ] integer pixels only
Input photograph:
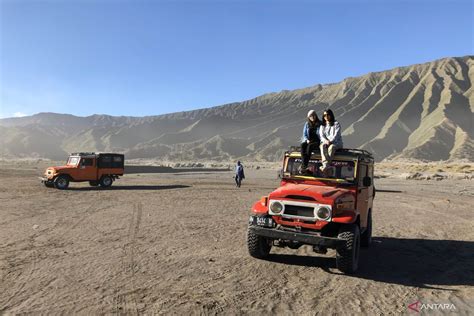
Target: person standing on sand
[
  {"x": 310, "y": 139},
  {"x": 331, "y": 139},
  {"x": 239, "y": 174}
]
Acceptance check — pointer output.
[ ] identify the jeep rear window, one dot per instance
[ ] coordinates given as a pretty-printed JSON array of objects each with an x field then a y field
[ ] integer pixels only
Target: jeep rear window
[
  {"x": 337, "y": 169},
  {"x": 110, "y": 161},
  {"x": 72, "y": 161}
]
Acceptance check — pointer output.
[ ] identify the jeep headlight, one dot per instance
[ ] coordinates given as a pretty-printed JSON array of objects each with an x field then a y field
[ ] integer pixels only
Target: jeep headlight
[
  {"x": 323, "y": 213},
  {"x": 276, "y": 207},
  {"x": 49, "y": 173}
]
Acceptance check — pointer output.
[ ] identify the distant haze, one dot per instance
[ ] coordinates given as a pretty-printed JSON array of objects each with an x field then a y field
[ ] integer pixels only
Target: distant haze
[{"x": 422, "y": 111}]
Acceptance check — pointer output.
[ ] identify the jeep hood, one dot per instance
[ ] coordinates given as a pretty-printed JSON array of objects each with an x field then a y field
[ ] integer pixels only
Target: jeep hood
[
  {"x": 60, "y": 168},
  {"x": 316, "y": 192}
]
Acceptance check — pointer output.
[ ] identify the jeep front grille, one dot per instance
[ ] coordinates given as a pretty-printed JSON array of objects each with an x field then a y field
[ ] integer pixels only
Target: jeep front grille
[
  {"x": 305, "y": 211},
  {"x": 296, "y": 210}
]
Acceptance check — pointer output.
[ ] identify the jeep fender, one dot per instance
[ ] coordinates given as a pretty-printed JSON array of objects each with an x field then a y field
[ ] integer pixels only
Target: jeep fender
[
  {"x": 63, "y": 174},
  {"x": 345, "y": 217},
  {"x": 259, "y": 208}
]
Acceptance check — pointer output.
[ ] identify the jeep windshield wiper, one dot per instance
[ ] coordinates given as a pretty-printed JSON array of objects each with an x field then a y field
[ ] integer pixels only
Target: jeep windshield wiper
[
  {"x": 336, "y": 180},
  {"x": 346, "y": 184}
]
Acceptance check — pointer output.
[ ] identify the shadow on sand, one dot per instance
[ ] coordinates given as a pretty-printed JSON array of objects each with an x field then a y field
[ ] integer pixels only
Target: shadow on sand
[
  {"x": 387, "y": 191},
  {"x": 421, "y": 263},
  {"x": 131, "y": 187},
  {"x": 162, "y": 169}
]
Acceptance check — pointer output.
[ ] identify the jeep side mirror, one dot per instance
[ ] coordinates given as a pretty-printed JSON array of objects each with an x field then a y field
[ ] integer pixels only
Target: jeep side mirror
[{"x": 367, "y": 181}]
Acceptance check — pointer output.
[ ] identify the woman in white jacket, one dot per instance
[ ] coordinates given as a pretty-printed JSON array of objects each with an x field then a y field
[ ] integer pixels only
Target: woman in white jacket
[{"x": 331, "y": 139}]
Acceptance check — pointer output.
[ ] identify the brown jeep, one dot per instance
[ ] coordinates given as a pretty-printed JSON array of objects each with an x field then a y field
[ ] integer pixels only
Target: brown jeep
[
  {"x": 330, "y": 209},
  {"x": 97, "y": 168}
]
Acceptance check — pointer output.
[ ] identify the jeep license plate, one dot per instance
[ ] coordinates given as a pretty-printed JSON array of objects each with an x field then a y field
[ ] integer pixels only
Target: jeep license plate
[{"x": 261, "y": 221}]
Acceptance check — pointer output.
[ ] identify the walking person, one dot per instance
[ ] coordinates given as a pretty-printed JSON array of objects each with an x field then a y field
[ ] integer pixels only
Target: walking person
[
  {"x": 331, "y": 139},
  {"x": 239, "y": 174},
  {"x": 310, "y": 139}
]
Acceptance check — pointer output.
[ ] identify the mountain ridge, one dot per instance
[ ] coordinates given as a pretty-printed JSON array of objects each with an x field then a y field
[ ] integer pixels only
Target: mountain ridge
[{"x": 422, "y": 111}]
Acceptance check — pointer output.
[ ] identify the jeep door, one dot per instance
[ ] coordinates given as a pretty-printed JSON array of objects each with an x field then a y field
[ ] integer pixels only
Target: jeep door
[
  {"x": 371, "y": 191},
  {"x": 88, "y": 170},
  {"x": 363, "y": 194}
]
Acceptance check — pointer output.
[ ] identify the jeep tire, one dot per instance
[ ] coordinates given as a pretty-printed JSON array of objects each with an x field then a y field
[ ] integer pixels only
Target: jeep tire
[
  {"x": 61, "y": 182},
  {"x": 259, "y": 247},
  {"x": 347, "y": 255},
  {"x": 49, "y": 184},
  {"x": 106, "y": 181},
  {"x": 93, "y": 183},
  {"x": 366, "y": 236}
]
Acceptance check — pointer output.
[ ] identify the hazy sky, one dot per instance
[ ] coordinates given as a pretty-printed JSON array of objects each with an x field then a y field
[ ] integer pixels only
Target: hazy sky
[{"x": 153, "y": 57}]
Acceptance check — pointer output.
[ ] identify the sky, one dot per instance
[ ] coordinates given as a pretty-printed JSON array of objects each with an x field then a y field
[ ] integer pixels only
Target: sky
[{"x": 143, "y": 57}]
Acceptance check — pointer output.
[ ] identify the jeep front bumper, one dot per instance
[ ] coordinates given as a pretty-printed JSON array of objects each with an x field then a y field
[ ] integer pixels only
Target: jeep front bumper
[
  {"x": 44, "y": 179},
  {"x": 304, "y": 238}
]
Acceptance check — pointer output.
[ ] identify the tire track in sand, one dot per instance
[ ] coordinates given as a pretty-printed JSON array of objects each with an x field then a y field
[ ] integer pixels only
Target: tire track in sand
[
  {"x": 20, "y": 283},
  {"x": 127, "y": 303}
]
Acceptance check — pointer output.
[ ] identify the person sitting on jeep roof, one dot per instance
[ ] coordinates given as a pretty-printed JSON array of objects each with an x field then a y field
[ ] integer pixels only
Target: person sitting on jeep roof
[
  {"x": 310, "y": 138},
  {"x": 331, "y": 139}
]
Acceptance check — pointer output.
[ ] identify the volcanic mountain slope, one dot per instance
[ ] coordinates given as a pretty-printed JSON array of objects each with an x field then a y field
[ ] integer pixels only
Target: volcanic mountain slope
[{"x": 422, "y": 111}]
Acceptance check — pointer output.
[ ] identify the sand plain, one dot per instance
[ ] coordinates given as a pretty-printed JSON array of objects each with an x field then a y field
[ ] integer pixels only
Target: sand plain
[{"x": 175, "y": 243}]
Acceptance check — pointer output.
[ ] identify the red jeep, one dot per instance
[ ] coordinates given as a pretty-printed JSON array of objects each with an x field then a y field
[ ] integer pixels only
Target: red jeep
[{"x": 325, "y": 210}]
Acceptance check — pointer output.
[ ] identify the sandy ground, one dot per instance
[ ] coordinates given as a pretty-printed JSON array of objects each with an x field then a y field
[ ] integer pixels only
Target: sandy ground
[{"x": 175, "y": 243}]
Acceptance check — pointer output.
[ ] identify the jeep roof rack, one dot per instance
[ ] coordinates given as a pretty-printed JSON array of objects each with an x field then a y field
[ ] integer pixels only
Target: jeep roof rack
[
  {"x": 113, "y": 154},
  {"x": 355, "y": 151},
  {"x": 83, "y": 154},
  {"x": 359, "y": 152},
  {"x": 94, "y": 154}
]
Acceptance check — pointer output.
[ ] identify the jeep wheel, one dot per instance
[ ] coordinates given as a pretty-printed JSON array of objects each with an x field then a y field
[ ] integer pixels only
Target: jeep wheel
[
  {"x": 106, "y": 181},
  {"x": 347, "y": 256},
  {"x": 259, "y": 247},
  {"x": 366, "y": 236},
  {"x": 61, "y": 182},
  {"x": 93, "y": 183}
]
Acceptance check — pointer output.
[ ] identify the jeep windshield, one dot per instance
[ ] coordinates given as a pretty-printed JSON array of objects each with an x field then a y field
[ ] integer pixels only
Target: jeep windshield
[
  {"x": 73, "y": 161},
  {"x": 339, "y": 170}
]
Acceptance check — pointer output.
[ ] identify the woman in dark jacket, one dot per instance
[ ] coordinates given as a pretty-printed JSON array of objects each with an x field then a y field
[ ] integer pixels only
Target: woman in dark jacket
[{"x": 310, "y": 139}]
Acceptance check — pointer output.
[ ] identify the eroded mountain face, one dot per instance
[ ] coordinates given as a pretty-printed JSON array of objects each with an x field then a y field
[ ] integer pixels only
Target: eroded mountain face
[{"x": 422, "y": 111}]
